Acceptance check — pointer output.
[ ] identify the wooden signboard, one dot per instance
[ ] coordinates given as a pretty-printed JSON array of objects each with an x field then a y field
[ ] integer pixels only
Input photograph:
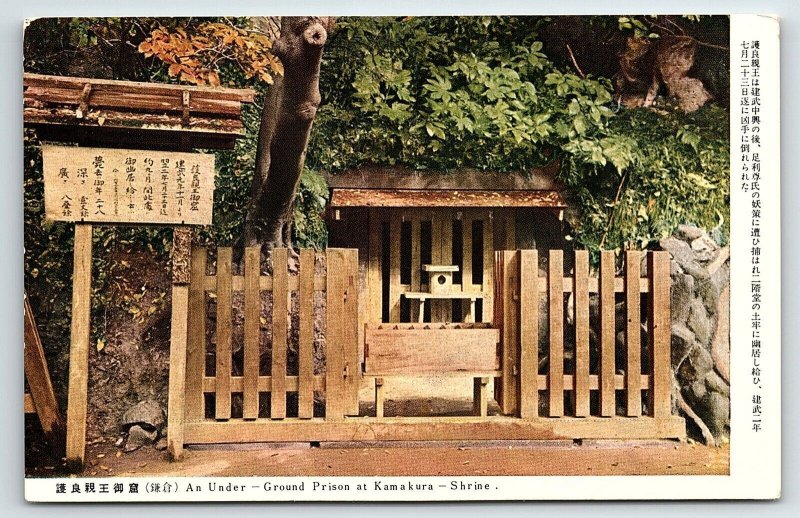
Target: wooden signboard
[{"x": 101, "y": 185}]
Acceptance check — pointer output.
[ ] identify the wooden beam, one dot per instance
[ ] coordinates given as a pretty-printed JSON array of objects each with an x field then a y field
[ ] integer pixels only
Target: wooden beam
[
  {"x": 607, "y": 335},
  {"x": 80, "y": 328},
  {"x": 435, "y": 429},
  {"x": 556, "y": 342},
  {"x": 196, "y": 342},
  {"x": 181, "y": 276},
  {"x": 42, "y": 398}
]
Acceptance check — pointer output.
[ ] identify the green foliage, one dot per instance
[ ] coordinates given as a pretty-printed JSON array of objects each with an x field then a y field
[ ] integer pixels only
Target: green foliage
[{"x": 445, "y": 93}]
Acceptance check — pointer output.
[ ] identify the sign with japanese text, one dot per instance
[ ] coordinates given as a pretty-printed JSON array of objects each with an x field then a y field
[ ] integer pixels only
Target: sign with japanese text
[{"x": 100, "y": 185}]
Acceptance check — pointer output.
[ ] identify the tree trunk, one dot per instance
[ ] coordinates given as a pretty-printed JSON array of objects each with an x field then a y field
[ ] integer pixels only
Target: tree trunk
[{"x": 286, "y": 120}]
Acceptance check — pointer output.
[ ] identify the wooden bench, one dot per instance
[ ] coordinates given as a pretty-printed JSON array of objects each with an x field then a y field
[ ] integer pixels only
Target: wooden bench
[{"x": 468, "y": 350}]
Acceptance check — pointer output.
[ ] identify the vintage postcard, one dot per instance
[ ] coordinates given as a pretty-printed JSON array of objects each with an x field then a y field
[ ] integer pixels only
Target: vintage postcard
[{"x": 402, "y": 258}]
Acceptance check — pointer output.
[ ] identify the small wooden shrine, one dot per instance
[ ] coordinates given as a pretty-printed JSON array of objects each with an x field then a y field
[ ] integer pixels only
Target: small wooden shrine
[{"x": 426, "y": 240}]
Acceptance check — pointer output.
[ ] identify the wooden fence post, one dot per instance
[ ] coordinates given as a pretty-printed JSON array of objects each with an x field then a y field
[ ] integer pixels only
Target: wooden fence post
[
  {"x": 181, "y": 275},
  {"x": 658, "y": 269},
  {"x": 280, "y": 326},
  {"x": 79, "y": 347},
  {"x": 607, "y": 334}
]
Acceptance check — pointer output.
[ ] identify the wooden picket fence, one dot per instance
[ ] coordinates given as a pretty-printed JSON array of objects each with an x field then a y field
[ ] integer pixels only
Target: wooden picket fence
[
  {"x": 216, "y": 400},
  {"x": 524, "y": 389}
]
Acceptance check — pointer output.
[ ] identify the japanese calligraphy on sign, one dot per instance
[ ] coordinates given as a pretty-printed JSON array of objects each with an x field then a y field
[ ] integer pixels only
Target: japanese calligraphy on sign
[{"x": 127, "y": 186}]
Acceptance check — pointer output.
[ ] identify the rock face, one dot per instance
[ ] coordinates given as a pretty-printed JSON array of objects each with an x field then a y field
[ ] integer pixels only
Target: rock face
[{"x": 700, "y": 329}]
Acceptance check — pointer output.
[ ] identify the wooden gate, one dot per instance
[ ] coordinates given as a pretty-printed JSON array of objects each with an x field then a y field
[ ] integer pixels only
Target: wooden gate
[{"x": 560, "y": 372}]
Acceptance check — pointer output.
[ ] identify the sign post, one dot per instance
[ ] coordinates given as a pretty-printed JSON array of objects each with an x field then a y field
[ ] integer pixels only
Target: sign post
[{"x": 125, "y": 186}]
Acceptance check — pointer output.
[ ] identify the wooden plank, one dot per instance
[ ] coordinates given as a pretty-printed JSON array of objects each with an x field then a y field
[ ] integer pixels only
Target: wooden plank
[
  {"x": 379, "y": 397},
  {"x": 510, "y": 334},
  {"x": 42, "y": 397},
  {"x": 395, "y": 290},
  {"x": 529, "y": 333},
  {"x": 594, "y": 381},
  {"x": 80, "y": 327},
  {"x": 581, "y": 310},
  {"x": 460, "y": 428},
  {"x": 431, "y": 325},
  {"x": 28, "y": 404},
  {"x": 658, "y": 269},
  {"x": 555, "y": 272},
  {"x": 252, "y": 331},
  {"x": 265, "y": 283},
  {"x": 196, "y": 340},
  {"x": 224, "y": 333},
  {"x": 480, "y": 402},
  {"x": 445, "y": 312},
  {"x": 177, "y": 371},
  {"x": 350, "y": 332},
  {"x": 125, "y": 87},
  {"x": 607, "y": 334},
  {"x": 305, "y": 396},
  {"x": 280, "y": 319},
  {"x": 374, "y": 280},
  {"x": 334, "y": 355},
  {"x": 416, "y": 262},
  {"x": 488, "y": 268},
  {"x": 104, "y": 185},
  {"x": 466, "y": 254},
  {"x": 633, "y": 367},
  {"x": 409, "y": 351},
  {"x": 264, "y": 384}
]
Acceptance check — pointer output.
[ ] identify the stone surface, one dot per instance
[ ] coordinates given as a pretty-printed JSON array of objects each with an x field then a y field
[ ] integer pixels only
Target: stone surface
[
  {"x": 147, "y": 414},
  {"x": 704, "y": 248},
  {"x": 695, "y": 366},
  {"x": 690, "y": 232},
  {"x": 699, "y": 322},
  {"x": 138, "y": 437},
  {"x": 682, "y": 294},
  {"x": 161, "y": 445},
  {"x": 721, "y": 343},
  {"x": 682, "y": 342}
]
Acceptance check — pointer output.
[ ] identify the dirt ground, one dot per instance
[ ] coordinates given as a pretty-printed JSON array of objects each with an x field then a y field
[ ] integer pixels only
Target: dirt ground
[{"x": 423, "y": 459}]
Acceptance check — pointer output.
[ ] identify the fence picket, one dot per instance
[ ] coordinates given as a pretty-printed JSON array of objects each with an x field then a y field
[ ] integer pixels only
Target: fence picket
[
  {"x": 581, "y": 300},
  {"x": 529, "y": 333},
  {"x": 633, "y": 367},
  {"x": 508, "y": 391},
  {"x": 252, "y": 324},
  {"x": 555, "y": 287},
  {"x": 280, "y": 314},
  {"x": 607, "y": 334},
  {"x": 224, "y": 333},
  {"x": 658, "y": 268},
  {"x": 334, "y": 358},
  {"x": 305, "y": 408},
  {"x": 196, "y": 342}
]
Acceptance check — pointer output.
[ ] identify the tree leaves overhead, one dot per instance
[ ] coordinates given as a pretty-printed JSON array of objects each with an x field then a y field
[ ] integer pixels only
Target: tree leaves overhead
[
  {"x": 197, "y": 56},
  {"x": 479, "y": 92}
]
